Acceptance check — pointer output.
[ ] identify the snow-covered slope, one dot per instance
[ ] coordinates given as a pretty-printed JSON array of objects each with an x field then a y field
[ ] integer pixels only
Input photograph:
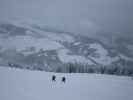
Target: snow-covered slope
[
  {"x": 18, "y": 84},
  {"x": 102, "y": 55},
  {"x": 21, "y": 43},
  {"x": 34, "y": 44}
]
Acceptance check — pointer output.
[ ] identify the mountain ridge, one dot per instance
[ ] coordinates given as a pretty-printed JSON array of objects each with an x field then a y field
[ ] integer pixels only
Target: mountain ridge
[{"x": 33, "y": 43}]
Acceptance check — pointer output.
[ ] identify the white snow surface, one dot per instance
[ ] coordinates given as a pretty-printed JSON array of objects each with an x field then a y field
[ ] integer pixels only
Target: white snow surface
[
  {"x": 65, "y": 57},
  {"x": 16, "y": 84},
  {"x": 103, "y": 57},
  {"x": 125, "y": 57},
  {"x": 59, "y": 37},
  {"x": 21, "y": 43}
]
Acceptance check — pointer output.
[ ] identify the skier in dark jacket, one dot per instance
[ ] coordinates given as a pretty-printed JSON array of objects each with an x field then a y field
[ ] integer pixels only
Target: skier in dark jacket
[
  {"x": 63, "y": 79},
  {"x": 53, "y": 78}
]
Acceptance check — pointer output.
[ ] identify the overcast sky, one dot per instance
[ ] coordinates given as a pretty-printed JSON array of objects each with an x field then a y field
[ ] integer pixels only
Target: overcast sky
[{"x": 82, "y": 16}]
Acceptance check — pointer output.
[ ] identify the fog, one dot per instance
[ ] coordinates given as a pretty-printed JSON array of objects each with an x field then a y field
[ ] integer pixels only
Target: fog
[{"x": 78, "y": 16}]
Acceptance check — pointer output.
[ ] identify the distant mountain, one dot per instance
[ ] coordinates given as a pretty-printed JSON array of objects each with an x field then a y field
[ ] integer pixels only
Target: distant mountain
[{"x": 46, "y": 48}]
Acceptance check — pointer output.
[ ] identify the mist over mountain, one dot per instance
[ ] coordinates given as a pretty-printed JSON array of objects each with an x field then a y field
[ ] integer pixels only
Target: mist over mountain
[
  {"x": 77, "y": 16},
  {"x": 46, "y": 34},
  {"x": 38, "y": 47},
  {"x": 66, "y": 49}
]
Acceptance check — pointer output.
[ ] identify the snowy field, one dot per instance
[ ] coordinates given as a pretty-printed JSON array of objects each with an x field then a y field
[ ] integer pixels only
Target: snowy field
[{"x": 16, "y": 84}]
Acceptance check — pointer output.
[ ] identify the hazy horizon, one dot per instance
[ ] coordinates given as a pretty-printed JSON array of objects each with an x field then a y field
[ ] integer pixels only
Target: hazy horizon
[{"x": 78, "y": 16}]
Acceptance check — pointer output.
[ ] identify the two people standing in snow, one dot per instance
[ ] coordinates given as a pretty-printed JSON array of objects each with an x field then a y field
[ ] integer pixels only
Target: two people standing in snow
[{"x": 54, "y": 79}]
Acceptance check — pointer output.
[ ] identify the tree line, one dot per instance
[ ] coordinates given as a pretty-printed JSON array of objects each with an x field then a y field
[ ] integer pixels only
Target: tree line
[{"x": 82, "y": 68}]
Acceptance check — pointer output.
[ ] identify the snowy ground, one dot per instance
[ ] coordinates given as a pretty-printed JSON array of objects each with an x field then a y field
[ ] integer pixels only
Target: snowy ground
[{"x": 18, "y": 84}]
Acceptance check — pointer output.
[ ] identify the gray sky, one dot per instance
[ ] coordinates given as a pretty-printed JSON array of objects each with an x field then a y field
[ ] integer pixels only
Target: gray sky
[{"x": 81, "y": 16}]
